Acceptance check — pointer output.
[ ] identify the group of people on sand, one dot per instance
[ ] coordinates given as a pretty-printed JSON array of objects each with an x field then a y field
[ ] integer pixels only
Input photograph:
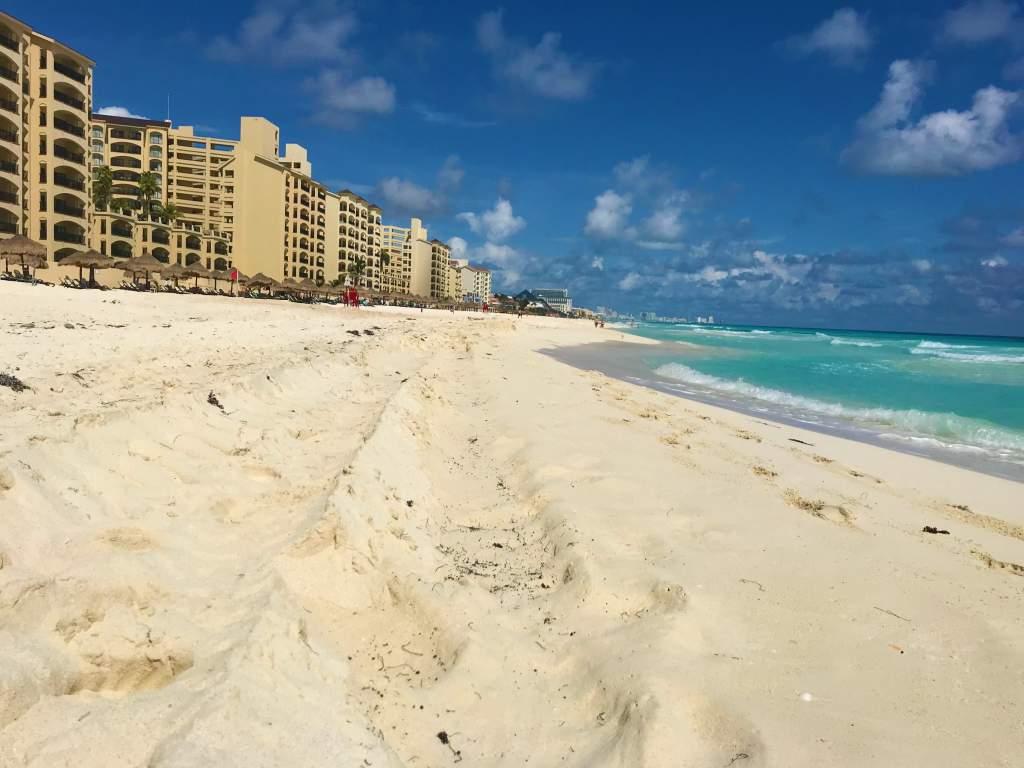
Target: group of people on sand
[{"x": 599, "y": 323}]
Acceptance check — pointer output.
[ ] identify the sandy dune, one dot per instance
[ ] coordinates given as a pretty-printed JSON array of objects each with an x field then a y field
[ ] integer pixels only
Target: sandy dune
[{"x": 428, "y": 544}]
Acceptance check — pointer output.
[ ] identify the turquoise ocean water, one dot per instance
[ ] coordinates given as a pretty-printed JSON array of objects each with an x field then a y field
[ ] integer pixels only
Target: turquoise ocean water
[{"x": 938, "y": 395}]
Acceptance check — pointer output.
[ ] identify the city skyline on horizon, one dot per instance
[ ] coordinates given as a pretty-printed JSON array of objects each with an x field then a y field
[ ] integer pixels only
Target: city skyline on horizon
[{"x": 894, "y": 133}]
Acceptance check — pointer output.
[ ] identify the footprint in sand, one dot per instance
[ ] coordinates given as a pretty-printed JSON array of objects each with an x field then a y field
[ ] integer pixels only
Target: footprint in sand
[
  {"x": 764, "y": 472},
  {"x": 130, "y": 539},
  {"x": 834, "y": 513}
]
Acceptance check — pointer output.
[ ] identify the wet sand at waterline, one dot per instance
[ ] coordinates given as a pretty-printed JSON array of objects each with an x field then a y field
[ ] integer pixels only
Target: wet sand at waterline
[{"x": 431, "y": 544}]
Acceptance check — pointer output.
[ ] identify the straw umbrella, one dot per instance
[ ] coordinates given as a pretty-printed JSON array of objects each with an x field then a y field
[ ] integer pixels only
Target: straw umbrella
[
  {"x": 196, "y": 270},
  {"x": 259, "y": 280},
  {"x": 308, "y": 286},
  {"x": 219, "y": 274},
  {"x": 24, "y": 251},
  {"x": 91, "y": 259},
  {"x": 173, "y": 272},
  {"x": 144, "y": 263}
]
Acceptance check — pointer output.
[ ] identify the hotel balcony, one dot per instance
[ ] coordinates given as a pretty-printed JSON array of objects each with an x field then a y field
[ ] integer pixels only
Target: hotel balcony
[
  {"x": 69, "y": 124},
  {"x": 121, "y": 229},
  {"x": 9, "y": 41},
  {"x": 68, "y": 206},
  {"x": 70, "y": 71},
  {"x": 69, "y": 97},
  {"x": 68, "y": 232},
  {"x": 69, "y": 180},
  {"x": 68, "y": 153},
  {"x": 8, "y": 102},
  {"x": 124, "y": 148},
  {"x": 9, "y": 73}
]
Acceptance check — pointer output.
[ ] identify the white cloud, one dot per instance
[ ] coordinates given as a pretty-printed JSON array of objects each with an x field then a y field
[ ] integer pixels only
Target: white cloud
[
  {"x": 844, "y": 37},
  {"x": 994, "y": 262},
  {"x": 656, "y": 245},
  {"x": 1015, "y": 239},
  {"x": 609, "y": 215},
  {"x": 449, "y": 178},
  {"x": 665, "y": 223},
  {"x": 285, "y": 37},
  {"x": 458, "y": 246},
  {"x": 119, "y": 112},
  {"x": 342, "y": 99},
  {"x": 947, "y": 143},
  {"x": 544, "y": 69},
  {"x": 438, "y": 117},
  {"x": 922, "y": 265},
  {"x": 979, "y": 21},
  {"x": 499, "y": 223},
  {"x": 597, "y": 263},
  {"x": 631, "y": 282},
  {"x": 409, "y": 197}
]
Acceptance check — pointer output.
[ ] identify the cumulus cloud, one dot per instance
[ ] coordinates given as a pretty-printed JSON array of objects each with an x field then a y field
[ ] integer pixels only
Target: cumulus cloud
[
  {"x": 948, "y": 143},
  {"x": 439, "y": 117},
  {"x": 406, "y": 197},
  {"x": 409, "y": 197},
  {"x": 1015, "y": 239},
  {"x": 458, "y": 246},
  {"x": 341, "y": 99},
  {"x": 119, "y": 112},
  {"x": 597, "y": 263},
  {"x": 994, "y": 262},
  {"x": 609, "y": 216},
  {"x": 922, "y": 265},
  {"x": 844, "y": 37},
  {"x": 285, "y": 37},
  {"x": 665, "y": 224},
  {"x": 544, "y": 69},
  {"x": 497, "y": 224},
  {"x": 979, "y": 21},
  {"x": 631, "y": 282}
]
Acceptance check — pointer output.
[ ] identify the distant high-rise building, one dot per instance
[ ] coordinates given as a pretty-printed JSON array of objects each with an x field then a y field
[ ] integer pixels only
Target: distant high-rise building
[{"x": 557, "y": 298}]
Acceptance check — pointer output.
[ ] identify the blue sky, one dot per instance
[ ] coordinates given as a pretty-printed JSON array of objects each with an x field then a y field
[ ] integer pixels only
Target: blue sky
[{"x": 803, "y": 163}]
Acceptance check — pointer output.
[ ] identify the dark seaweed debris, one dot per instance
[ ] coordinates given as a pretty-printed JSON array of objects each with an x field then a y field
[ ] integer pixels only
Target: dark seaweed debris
[
  {"x": 13, "y": 382},
  {"x": 212, "y": 400}
]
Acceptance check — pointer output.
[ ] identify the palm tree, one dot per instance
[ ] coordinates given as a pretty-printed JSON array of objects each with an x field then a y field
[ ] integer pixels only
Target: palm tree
[
  {"x": 102, "y": 187},
  {"x": 149, "y": 188},
  {"x": 356, "y": 270},
  {"x": 122, "y": 204},
  {"x": 168, "y": 211}
]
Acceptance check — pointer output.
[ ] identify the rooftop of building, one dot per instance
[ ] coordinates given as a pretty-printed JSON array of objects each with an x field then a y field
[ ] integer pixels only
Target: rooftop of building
[
  {"x": 15, "y": 21},
  {"x": 138, "y": 122}
]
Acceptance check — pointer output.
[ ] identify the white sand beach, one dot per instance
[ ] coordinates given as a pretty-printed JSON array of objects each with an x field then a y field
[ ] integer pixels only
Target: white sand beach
[{"x": 411, "y": 539}]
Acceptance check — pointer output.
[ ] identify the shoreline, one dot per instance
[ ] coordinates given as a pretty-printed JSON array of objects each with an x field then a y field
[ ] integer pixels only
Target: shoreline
[
  {"x": 622, "y": 363},
  {"x": 403, "y": 524}
]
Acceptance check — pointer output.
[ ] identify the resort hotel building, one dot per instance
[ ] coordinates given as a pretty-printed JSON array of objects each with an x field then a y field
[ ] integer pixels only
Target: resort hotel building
[{"x": 181, "y": 197}]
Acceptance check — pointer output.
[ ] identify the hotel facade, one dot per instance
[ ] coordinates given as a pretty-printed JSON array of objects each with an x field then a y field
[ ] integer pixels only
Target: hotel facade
[{"x": 241, "y": 203}]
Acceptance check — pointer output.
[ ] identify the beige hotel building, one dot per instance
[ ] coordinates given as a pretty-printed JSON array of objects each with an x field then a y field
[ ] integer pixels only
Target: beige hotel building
[
  {"x": 45, "y": 104},
  {"x": 239, "y": 202}
]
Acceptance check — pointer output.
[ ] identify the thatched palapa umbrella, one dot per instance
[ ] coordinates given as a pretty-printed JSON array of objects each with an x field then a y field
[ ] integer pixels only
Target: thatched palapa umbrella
[
  {"x": 173, "y": 272},
  {"x": 290, "y": 284},
  {"x": 196, "y": 270},
  {"x": 24, "y": 251},
  {"x": 93, "y": 260},
  {"x": 219, "y": 274},
  {"x": 144, "y": 263},
  {"x": 308, "y": 286},
  {"x": 259, "y": 280}
]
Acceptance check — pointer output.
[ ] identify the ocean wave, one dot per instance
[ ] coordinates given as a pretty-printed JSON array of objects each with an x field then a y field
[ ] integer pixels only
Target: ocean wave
[
  {"x": 937, "y": 349},
  {"x": 946, "y": 427},
  {"x": 724, "y": 332},
  {"x": 853, "y": 343}
]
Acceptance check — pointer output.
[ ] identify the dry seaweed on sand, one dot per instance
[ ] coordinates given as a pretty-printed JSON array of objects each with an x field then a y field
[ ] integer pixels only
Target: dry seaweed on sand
[{"x": 11, "y": 381}]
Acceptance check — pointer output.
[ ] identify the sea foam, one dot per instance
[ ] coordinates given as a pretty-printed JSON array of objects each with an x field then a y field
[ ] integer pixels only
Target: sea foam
[{"x": 946, "y": 427}]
